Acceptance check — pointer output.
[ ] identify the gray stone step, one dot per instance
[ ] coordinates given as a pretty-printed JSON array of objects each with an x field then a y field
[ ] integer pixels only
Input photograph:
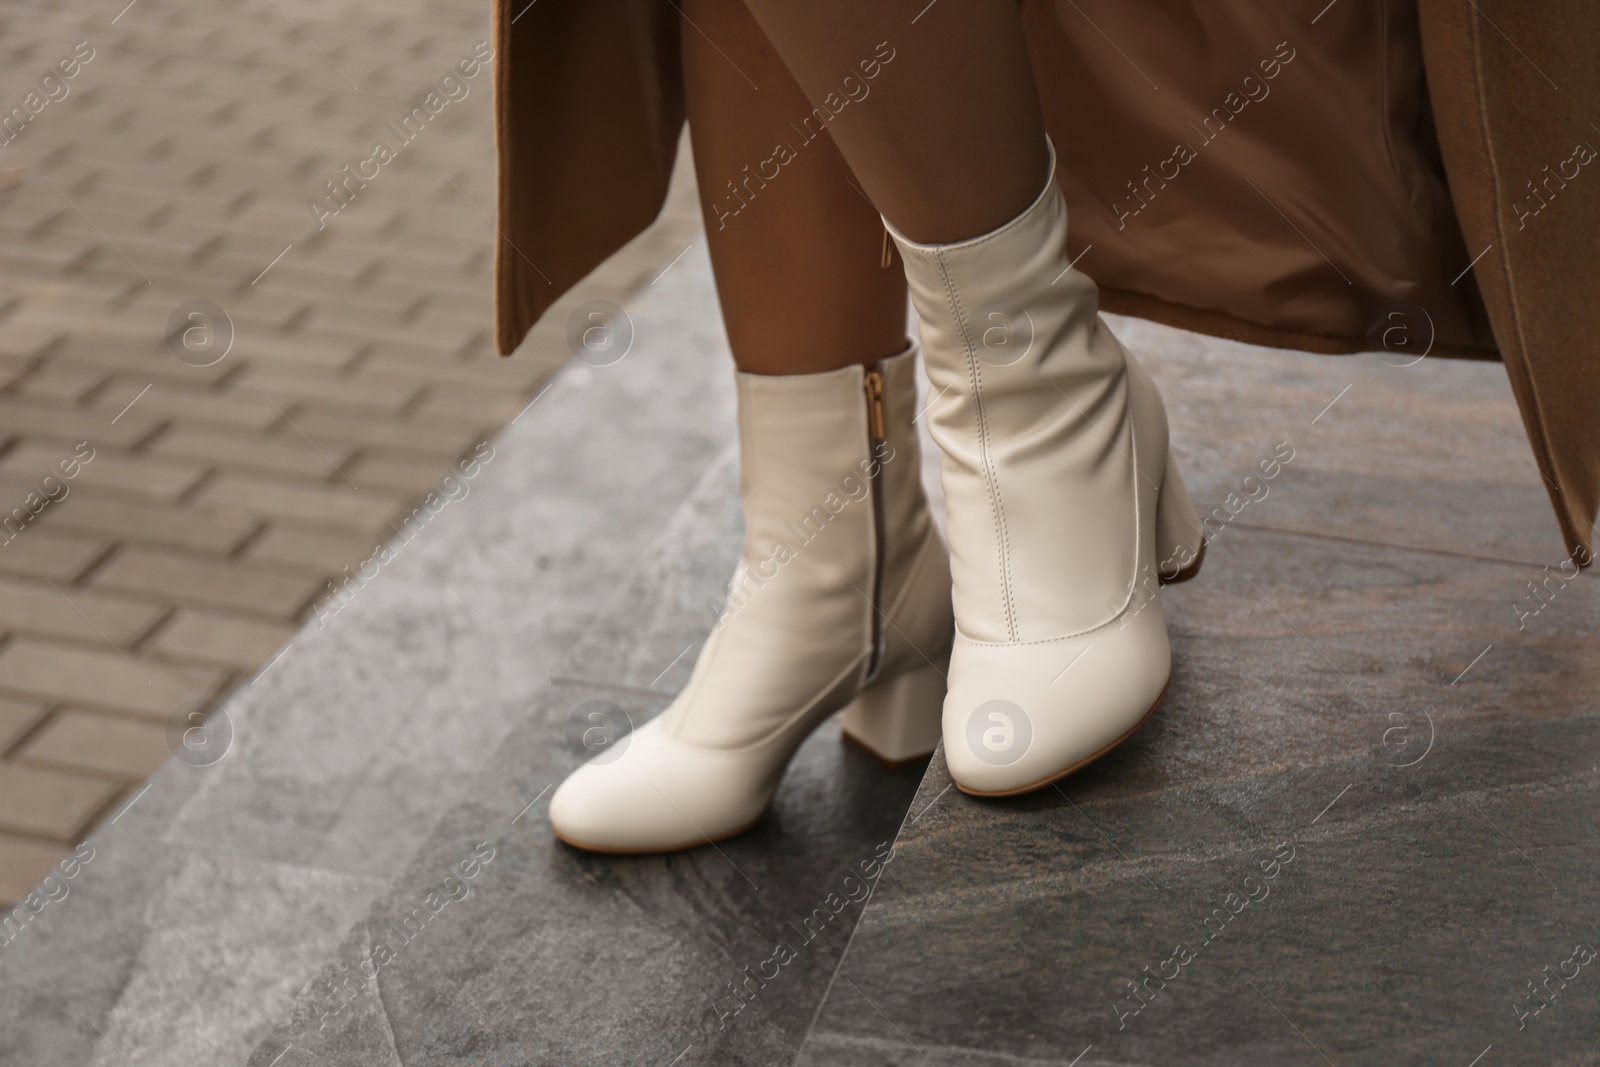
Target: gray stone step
[
  {"x": 430, "y": 715},
  {"x": 1362, "y": 684}
]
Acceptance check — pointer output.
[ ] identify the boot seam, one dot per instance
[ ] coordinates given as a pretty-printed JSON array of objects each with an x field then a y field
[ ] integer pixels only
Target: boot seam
[
  {"x": 1138, "y": 539},
  {"x": 990, "y": 475}
]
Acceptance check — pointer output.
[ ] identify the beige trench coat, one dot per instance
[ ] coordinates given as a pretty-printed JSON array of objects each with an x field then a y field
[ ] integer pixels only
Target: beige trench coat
[{"x": 1296, "y": 179}]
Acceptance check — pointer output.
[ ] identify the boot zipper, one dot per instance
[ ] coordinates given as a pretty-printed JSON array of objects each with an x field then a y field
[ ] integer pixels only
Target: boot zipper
[{"x": 877, "y": 433}]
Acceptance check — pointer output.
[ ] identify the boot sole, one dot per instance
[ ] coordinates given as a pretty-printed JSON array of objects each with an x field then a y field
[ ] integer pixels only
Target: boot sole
[
  {"x": 896, "y": 765},
  {"x": 888, "y": 765},
  {"x": 1054, "y": 778},
  {"x": 661, "y": 849}
]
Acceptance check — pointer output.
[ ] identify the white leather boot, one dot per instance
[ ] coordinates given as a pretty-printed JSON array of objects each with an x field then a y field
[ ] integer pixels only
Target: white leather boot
[
  {"x": 1064, "y": 508},
  {"x": 841, "y": 600}
]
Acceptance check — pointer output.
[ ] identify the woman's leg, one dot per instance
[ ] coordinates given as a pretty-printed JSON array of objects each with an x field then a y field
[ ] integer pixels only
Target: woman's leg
[
  {"x": 841, "y": 600},
  {"x": 949, "y": 140},
  {"x": 1063, "y": 506},
  {"x": 795, "y": 247}
]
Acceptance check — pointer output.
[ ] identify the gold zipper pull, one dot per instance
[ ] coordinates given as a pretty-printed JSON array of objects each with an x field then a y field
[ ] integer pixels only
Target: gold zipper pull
[
  {"x": 877, "y": 413},
  {"x": 885, "y": 258}
]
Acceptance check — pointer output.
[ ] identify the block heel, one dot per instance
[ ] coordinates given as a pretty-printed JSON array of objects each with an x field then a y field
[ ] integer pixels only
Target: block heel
[
  {"x": 1180, "y": 537},
  {"x": 896, "y": 720}
]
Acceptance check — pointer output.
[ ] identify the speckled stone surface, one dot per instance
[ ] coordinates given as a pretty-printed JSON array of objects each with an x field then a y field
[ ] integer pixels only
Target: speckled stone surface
[
  {"x": 219, "y": 893},
  {"x": 1427, "y": 454},
  {"x": 1353, "y": 696},
  {"x": 555, "y": 956},
  {"x": 1361, "y": 684}
]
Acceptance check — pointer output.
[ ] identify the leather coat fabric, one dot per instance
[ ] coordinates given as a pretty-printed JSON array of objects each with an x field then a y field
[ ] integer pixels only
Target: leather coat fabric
[
  {"x": 1514, "y": 142},
  {"x": 1288, "y": 174}
]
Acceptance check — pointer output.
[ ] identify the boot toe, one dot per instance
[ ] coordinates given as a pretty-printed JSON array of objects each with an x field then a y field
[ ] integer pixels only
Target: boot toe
[
  {"x": 1019, "y": 716},
  {"x": 602, "y": 812},
  {"x": 658, "y": 795}
]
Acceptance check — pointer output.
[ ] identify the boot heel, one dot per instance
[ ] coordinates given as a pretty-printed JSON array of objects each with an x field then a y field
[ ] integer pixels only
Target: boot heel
[
  {"x": 897, "y": 720},
  {"x": 1180, "y": 538}
]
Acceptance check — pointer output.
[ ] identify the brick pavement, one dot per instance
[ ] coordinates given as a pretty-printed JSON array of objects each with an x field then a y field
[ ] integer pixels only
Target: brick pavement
[{"x": 207, "y": 507}]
